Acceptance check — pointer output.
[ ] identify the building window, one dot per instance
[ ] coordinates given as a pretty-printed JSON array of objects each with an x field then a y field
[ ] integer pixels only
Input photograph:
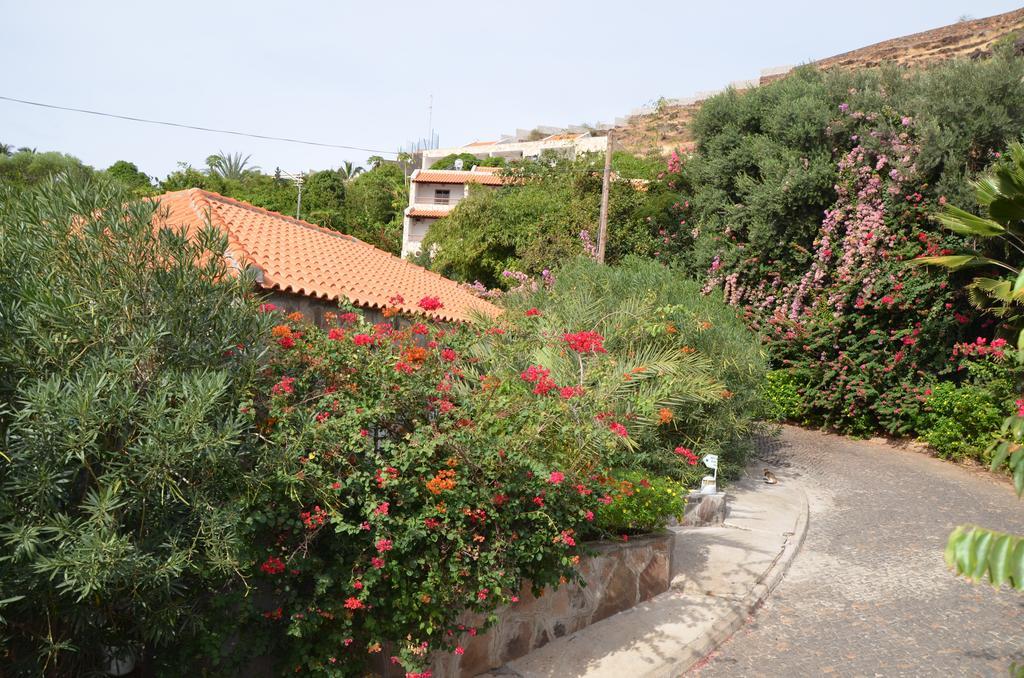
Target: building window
[{"x": 442, "y": 196}]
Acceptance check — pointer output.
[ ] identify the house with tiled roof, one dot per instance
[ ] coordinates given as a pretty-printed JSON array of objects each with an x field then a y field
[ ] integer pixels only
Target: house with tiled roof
[
  {"x": 434, "y": 193},
  {"x": 304, "y": 267}
]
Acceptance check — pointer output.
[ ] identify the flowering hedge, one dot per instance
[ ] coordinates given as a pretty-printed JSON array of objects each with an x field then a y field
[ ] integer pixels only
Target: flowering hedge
[{"x": 411, "y": 472}]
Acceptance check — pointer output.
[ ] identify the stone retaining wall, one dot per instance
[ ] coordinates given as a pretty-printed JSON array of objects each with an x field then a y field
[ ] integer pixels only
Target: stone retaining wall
[{"x": 619, "y": 575}]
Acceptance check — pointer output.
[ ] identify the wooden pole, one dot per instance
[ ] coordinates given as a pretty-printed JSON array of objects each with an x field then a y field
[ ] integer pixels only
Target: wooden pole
[{"x": 602, "y": 231}]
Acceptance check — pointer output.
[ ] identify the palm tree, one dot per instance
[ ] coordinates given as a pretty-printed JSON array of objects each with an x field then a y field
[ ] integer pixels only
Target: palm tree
[
  {"x": 349, "y": 171},
  {"x": 6, "y": 150},
  {"x": 229, "y": 165}
]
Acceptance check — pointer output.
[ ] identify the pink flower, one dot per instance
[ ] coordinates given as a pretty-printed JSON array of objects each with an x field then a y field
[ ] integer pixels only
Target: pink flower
[
  {"x": 384, "y": 545},
  {"x": 267, "y": 308},
  {"x": 448, "y": 355},
  {"x": 589, "y": 515},
  {"x": 1020, "y": 408},
  {"x": 459, "y": 650},
  {"x": 357, "y": 585},
  {"x": 482, "y": 594},
  {"x": 353, "y": 603},
  {"x": 556, "y": 477},
  {"x": 618, "y": 429},
  {"x": 377, "y": 562},
  {"x": 382, "y": 509}
]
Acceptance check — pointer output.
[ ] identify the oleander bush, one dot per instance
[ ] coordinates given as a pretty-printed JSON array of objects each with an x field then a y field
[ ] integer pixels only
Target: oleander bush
[{"x": 124, "y": 353}]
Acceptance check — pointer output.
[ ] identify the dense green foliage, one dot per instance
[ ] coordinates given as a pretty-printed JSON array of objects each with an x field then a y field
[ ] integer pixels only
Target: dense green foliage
[
  {"x": 27, "y": 168},
  {"x": 374, "y": 203},
  {"x": 531, "y": 224},
  {"x": 468, "y": 161},
  {"x": 123, "y": 356},
  {"x": 128, "y": 175},
  {"x": 684, "y": 370},
  {"x": 640, "y": 504},
  {"x": 861, "y": 335}
]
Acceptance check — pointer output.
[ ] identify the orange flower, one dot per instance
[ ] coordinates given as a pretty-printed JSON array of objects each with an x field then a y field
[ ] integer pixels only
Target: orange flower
[
  {"x": 390, "y": 311},
  {"x": 664, "y": 416},
  {"x": 295, "y": 317},
  {"x": 687, "y": 349},
  {"x": 705, "y": 325},
  {"x": 726, "y": 394},
  {"x": 415, "y": 354},
  {"x": 671, "y": 328},
  {"x": 444, "y": 480},
  {"x": 281, "y": 331}
]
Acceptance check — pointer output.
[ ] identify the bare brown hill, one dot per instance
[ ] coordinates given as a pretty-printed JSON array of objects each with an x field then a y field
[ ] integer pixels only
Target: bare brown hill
[{"x": 667, "y": 127}]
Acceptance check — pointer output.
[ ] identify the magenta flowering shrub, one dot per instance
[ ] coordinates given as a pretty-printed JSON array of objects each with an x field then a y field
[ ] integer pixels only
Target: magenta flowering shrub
[{"x": 862, "y": 333}]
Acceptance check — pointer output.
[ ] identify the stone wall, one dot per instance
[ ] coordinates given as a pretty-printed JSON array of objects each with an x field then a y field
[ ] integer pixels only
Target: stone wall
[{"x": 619, "y": 575}]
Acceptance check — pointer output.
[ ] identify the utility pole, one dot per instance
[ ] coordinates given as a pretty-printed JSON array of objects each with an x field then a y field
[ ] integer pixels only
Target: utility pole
[
  {"x": 298, "y": 179},
  {"x": 602, "y": 231}
]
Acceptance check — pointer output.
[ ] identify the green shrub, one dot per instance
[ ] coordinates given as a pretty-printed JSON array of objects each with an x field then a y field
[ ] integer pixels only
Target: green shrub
[
  {"x": 781, "y": 396},
  {"x": 960, "y": 421},
  {"x": 684, "y": 371},
  {"x": 124, "y": 353},
  {"x": 639, "y": 503}
]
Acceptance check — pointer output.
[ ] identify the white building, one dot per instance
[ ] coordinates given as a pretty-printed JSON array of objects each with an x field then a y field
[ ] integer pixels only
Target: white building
[
  {"x": 433, "y": 194},
  {"x": 570, "y": 144}
]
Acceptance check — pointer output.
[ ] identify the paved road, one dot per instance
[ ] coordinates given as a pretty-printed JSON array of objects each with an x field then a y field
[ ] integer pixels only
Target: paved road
[{"x": 869, "y": 594}]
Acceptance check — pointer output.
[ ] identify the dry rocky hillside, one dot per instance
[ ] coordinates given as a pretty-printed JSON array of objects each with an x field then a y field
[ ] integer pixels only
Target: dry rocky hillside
[{"x": 667, "y": 128}]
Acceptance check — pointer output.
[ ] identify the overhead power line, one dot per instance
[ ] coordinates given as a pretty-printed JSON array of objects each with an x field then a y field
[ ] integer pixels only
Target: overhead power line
[{"x": 195, "y": 127}]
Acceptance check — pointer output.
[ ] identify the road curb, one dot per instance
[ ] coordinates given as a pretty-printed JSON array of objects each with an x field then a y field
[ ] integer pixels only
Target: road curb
[{"x": 736, "y": 618}]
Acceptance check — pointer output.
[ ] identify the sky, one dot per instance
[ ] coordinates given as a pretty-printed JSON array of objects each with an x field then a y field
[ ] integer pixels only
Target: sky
[{"x": 363, "y": 73}]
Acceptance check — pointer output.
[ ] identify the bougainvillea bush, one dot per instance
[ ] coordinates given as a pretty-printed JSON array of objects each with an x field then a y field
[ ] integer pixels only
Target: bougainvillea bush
[
  {"x": 804, "y": 201},
  {"x": 413, "y": 472}
]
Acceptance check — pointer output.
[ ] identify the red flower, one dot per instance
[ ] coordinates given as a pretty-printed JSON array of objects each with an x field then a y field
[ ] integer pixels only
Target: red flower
[
  {"x": 430, "y": 303},
  {"x": 887, "y": 300},
  {"x": 286, "y": 342},
  {"x": 538, "y": 500},
  {"x": 570, "y": 391},
  {"x": 585, "y": 342},
  {"x": 382, "y": 509},
  {"x": 354, "y": 603},
  {"x": 688, "y": 454},
  {"x": 348, "y": 318},
  {"x": 482, "y": 594},
  {"x": 267, "y": 308},
  {"x": 357, "y": 585},
  {"x": 377, "y": 562},
  {"x": 362, "y": 339},
  {"x": 589, "y": 515},
  {"x": 272, "y": 565},
  {"x": 556, "y": 477},
  {"x": 459, "y": 650},
  {"x": 618, "y": 429},
  {"x": 448, "y": 354},
  {"x": 533, "y": 312},
  {"x": 286, "y": 385},
  {"x": 396, "y": 300},
  {"x": 420, "y": 328},
  {"x": 384, "y": 545},
  {"x": 336, "y": 334}
]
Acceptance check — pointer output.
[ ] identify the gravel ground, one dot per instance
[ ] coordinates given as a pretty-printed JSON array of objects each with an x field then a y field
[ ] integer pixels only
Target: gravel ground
[{"x": 869, "y": 594}]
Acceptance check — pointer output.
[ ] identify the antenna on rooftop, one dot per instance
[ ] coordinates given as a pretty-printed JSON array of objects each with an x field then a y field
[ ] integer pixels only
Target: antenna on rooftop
[{"x": 430, "y": 117}]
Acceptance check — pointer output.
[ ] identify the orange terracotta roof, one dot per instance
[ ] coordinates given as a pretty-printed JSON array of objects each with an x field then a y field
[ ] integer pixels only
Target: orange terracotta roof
[
  {"x": 481, "y": 143},
  {"x": 302, "y": 258},
  {"x": 563, "y": 137},
  {"x": 456, "y": 177},
  {"x": 436, "y": 214},
  {"x": 488, "y": 170}
]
